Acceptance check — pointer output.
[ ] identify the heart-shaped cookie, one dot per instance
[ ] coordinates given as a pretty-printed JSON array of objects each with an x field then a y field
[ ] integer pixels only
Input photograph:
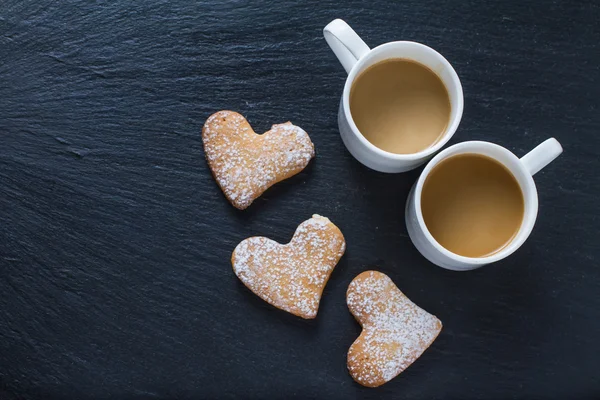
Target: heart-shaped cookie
[
  {"x": 395, "y": 330},
  {"x": 291, "y": 276},
  {"x": 245, "y": 164}
]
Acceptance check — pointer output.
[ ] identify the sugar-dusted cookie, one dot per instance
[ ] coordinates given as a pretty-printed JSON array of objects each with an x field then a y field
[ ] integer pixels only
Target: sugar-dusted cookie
[
  {"x": 246, "y": 164},
  {"x": 395, "y": 330},
  {"x": 291, "y": 276}
]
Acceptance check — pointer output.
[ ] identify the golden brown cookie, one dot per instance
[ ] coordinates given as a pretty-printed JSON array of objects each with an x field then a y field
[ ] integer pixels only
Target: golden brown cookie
[
  {"x": 291, "y": 276},
  {"x": 245, "y": 164},
  {"x": 395, "y": 330}
]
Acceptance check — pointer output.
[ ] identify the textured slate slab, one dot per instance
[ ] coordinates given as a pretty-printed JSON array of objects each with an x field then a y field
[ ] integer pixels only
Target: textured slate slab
[{"x": 115, "y": 279}]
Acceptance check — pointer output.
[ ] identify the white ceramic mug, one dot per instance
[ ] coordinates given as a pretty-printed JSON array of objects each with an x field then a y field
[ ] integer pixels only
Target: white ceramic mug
[
  {"x": 355, "y": 56},
  {"x": 523, "y": 170}
]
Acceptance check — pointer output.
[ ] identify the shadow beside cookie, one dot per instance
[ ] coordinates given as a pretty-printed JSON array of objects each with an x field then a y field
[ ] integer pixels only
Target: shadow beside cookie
[
  {"x": 267, "y": 311},
  {"x": 281, "y": 189}
]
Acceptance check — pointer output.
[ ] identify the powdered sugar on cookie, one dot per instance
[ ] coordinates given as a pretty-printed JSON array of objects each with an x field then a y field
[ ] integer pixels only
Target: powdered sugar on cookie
[
  {"x": 395, "y": 330},
  {"x": 291, "y": 276},
  {"x": 245, "y": 164}
]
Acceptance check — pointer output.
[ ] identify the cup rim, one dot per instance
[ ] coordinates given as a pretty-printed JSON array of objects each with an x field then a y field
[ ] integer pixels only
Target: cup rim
[
  {"x": 528, "y": 219},
  {"x": 453, "y": 126}
]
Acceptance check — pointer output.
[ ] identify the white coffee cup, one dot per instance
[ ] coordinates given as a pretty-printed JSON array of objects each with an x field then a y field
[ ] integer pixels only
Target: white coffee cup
[
  {"x": 355, "y": 56},
  {"x": 523, "y": 170}
]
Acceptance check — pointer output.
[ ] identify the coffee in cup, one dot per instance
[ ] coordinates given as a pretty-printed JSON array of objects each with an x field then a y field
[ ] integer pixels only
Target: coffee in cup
[
  {"x": 475, "y": 203},
  {"x": 407, "y": 100},
  {"x": 472, "y": 205},
  {"x": 400, "y": 106}
]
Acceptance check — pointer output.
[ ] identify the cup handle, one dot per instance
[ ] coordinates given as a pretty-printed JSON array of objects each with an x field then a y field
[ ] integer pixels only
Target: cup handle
[
  {"x": 542, "y": 155},
  {"x": 345, "y": 43}
]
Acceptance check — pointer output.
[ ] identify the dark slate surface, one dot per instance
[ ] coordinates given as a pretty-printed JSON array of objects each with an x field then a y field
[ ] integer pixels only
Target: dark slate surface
[{"x": 115, "y": 280}]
